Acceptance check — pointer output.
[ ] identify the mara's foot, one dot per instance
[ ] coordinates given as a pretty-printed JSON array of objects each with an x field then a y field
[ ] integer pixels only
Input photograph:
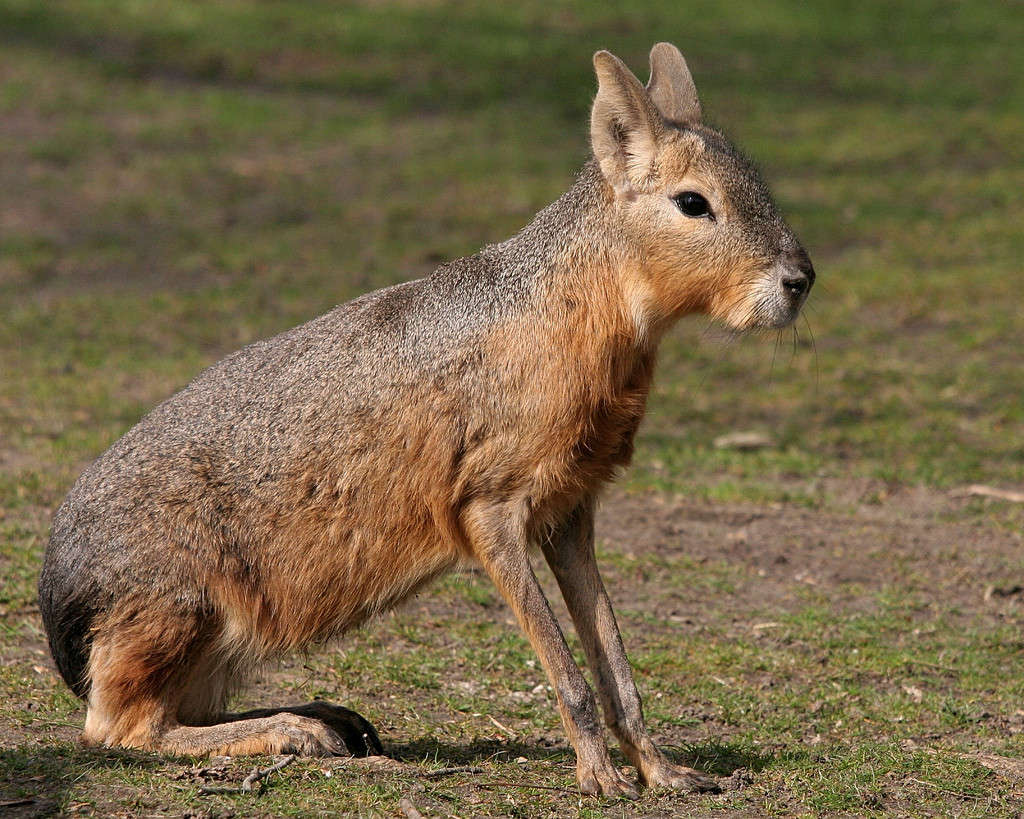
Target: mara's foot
[
  {"x": 664, "y": 774},
  {"x": 279, "y": 733},
  {"x": 604, "y": 779},
  {"x": 358, "y": 736}
]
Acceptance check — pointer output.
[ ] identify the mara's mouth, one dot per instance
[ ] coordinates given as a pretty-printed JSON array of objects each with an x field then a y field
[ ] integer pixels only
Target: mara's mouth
[
  {"x": 772, "y": 303},
  {"x": 781, "y": 315},
  {"x": 764, "y": 311}
]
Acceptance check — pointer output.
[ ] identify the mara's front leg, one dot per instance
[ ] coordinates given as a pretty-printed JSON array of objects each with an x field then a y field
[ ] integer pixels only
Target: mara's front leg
[
  {"x": 497, "y": 535},
  {"x": 570, "y": 553}
]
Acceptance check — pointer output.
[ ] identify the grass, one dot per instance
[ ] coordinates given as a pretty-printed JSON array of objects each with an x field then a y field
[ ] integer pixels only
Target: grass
[{"x": 181, "y": 178}]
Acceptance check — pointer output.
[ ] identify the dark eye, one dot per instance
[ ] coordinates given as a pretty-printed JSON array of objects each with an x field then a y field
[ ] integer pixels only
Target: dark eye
[{"x": 693, "y": 204}]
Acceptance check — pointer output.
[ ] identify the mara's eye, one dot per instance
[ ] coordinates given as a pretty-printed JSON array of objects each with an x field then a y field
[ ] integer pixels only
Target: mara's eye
[{"x": 693, "y": 204}]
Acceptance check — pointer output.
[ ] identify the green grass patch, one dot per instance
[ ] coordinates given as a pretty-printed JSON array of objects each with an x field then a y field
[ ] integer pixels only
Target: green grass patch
[{"x": 181, "y": 178}]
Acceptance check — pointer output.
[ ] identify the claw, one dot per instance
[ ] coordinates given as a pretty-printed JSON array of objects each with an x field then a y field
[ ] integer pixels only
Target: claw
[
  {"x": 606, "y": 781},
  {"x": 678, "y": 777}
]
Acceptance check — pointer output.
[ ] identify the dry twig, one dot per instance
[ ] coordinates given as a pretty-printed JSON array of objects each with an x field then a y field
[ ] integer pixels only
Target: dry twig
[
  {"x": 512, "y": 734},
  {"x": 254, "y": 778},
  {"x": 981, "y": 491},
  {"x": 435, "y": 774},
  {"x": 502, "y": 783}
]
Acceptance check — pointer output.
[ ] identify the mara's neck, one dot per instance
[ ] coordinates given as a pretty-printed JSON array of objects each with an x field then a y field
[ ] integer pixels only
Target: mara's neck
[
  {"x": 586, "y": 305},
  {"x": 581, "y": 267}
]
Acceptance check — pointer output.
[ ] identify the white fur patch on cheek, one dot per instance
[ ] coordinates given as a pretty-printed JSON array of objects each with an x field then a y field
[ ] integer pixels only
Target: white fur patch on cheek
[
  {"x": 754, "y": 309},
  {"x": 768, "y": 306}
]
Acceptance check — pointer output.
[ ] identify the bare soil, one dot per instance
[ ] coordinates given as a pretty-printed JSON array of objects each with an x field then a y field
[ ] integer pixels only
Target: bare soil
[{"x": 775, "y": 558}]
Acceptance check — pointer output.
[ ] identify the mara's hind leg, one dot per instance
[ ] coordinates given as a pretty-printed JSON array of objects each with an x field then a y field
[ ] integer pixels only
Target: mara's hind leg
[
  {"x": 213, "y": 677},
  {"x": 282, "y": 733},
  {"x": 358, "y": 734},
  {"x": 147, "y": 667}
]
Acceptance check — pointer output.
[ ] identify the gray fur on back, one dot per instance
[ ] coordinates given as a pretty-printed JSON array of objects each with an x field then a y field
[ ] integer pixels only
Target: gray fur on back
[{"x": 228, "y": 433}]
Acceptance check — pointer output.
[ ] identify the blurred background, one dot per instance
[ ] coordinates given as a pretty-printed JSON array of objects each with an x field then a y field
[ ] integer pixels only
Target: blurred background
[{"x": 178, "y": 179}]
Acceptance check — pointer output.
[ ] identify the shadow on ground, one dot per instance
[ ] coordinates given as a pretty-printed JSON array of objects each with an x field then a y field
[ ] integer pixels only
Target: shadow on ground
[
  {"x": 720, "y": 759},
  {"x": 481, "y": 750},
  {"x": 36, "y": 782}
]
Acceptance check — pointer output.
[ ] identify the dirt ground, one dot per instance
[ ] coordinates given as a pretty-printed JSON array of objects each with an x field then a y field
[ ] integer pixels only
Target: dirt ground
[
  {"x": 773, "y": 562},
  {"x": 883, "y": 539}
]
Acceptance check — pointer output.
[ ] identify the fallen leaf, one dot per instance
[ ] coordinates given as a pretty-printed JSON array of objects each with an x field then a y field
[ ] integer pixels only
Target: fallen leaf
[
  {"x": 915, "y": 693},
  {"x": 743, "y": 441}
]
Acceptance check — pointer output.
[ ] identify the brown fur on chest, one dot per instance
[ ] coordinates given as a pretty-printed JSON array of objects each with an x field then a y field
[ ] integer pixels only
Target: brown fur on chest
[{"x": 568, "y": 405}]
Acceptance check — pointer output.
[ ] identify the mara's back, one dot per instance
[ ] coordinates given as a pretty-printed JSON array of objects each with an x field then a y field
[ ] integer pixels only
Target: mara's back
[
  {"x": 286, "y": 469},
  {"x": 312, "y": 479}
]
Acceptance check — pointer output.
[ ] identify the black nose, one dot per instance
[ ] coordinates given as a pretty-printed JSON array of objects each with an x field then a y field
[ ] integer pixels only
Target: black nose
[
  {"x": 796, "y": 284},
  {"x": 799, "y": 281},
  {"x": 803, "y": 264}
]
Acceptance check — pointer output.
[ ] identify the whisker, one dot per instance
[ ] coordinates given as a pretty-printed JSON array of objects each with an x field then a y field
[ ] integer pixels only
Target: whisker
[
  {"x": 730, "y": 335},
  {"x": 775, "y": 350},
  {"x": 814, "y": 349}
]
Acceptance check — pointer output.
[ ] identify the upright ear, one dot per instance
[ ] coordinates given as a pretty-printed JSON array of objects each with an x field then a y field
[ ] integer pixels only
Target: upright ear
[
  {"x": 671, "y": 87},
  {"x": 624, "y": 125}
]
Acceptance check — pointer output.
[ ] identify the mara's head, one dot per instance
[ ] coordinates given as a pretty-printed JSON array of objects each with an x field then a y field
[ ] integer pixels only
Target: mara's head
[{"x": 702, "y": 226}]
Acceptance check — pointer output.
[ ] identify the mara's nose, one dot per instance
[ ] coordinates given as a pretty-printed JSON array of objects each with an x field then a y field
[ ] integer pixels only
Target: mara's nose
[
  {"x": 796, "y": 284},
  {"x": 797, "y": 280}
]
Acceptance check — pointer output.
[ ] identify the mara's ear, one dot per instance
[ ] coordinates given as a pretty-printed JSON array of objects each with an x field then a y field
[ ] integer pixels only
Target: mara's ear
[
  {"x": 671, "y": 87},
  {"x": 624, "y": 125}
]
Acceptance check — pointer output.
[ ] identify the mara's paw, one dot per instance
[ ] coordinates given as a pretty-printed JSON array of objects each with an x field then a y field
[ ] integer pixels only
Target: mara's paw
[
  {"x": 358, "y": 734},
  {"x": 306, "y": 736},
  {"x": 281, "y": 733},
  {"x": 663, "y": 774},
  {"x": 605, "y": 780}
]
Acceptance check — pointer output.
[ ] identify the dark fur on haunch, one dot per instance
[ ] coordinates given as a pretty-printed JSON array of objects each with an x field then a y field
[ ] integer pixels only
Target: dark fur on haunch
[
  {"x": 315, "y": 479},
  {"x": 68, "y": 618}
]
